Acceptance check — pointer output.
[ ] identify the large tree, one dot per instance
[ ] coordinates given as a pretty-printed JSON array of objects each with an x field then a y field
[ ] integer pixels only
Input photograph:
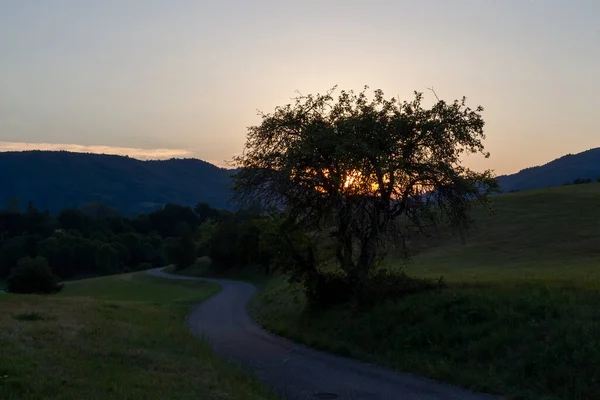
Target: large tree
[{"x": 369, "y": 171}]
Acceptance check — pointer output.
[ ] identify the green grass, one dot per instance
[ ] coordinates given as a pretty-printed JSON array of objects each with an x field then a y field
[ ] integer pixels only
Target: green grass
[
  {"x": 140, "y": 287},
  {"x": 548, "y": 235},
  {"x": 118, "y": 337},
  {"x": 203, "y": 268},
  {"x": 521, "y": 315}
]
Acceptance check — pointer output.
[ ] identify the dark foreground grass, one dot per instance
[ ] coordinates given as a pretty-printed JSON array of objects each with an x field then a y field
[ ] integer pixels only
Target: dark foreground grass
[
  {"x": 521, "y": 315},
  {"x": 120, "y": 337}
]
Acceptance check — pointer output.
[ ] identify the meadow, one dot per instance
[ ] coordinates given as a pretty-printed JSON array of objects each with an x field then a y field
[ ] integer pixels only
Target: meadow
[
  {"x": 520, "y": 316},
  {"x": 116, "y": 337}
]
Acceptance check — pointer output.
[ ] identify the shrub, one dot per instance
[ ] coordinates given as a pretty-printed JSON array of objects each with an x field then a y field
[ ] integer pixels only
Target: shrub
[
  {"x": 32, "y": 275},
  {"x": 144, "y": 266},
  {"x": 325, "y": 290},
  {"x": 390, "y": 285}
]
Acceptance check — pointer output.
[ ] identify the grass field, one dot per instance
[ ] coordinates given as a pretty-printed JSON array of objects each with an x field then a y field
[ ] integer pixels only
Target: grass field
[
  {"x": 521, "y": 315},
  {"x": 118, "y": 337}
]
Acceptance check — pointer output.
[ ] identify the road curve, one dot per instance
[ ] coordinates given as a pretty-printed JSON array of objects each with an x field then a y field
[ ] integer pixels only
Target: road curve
[{"x": 293, "y": 370}]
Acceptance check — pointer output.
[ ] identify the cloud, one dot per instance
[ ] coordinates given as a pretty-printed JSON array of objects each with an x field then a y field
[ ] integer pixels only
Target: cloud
[{"x": 142, "y": 154}]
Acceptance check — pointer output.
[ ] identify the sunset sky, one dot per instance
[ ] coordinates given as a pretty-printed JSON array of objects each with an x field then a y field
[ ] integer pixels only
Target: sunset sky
[{"x": 154, "y": 78}]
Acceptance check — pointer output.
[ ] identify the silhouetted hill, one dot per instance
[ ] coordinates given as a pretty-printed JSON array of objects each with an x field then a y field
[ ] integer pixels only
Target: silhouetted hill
[
  {"x": 566, "y": 169},
  {"x": 60, "y": 179}
]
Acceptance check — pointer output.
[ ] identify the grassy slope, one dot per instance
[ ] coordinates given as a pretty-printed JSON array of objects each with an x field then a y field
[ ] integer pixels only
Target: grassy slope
[
  {"x": 521, "y": 316},
  {"x": 549, "y": 235},
  {"x": 113, "y": 338}
]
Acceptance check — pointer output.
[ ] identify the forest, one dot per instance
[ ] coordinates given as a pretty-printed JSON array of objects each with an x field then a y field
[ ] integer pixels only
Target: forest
[{"x": 38, "y": 249}]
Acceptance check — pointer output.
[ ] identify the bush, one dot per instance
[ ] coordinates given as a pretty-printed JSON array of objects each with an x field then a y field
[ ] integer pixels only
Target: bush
[
  {"x": 325, "y": 290},
  {"x": 32, "y": 275},
  {"x": 144, "y": 266},
  {"x": 386, "y": 285}
]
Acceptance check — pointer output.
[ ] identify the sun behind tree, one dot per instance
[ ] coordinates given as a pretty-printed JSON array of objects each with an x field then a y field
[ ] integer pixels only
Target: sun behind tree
[{"x": 371, "y": 172}]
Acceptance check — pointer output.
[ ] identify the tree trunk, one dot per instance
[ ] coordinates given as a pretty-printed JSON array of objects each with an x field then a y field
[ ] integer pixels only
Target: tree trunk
[{"x": 364, "y": 265}]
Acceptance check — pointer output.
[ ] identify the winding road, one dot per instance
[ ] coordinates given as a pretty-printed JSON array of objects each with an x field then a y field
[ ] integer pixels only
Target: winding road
[{"x": 296, "y": 371}]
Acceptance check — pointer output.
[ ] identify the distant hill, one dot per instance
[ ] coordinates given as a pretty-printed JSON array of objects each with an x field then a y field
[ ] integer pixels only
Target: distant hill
[
  {"x": 566, "y": 169},
  {"x": 58, "y": 179}
]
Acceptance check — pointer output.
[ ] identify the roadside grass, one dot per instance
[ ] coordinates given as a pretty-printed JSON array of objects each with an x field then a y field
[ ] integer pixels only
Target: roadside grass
[
  {"x": 117, "y": 337},
  {"x": 203, "y": 268},
  {"x": 520, "y": 317},
  {"x": 200, "y": 268}
]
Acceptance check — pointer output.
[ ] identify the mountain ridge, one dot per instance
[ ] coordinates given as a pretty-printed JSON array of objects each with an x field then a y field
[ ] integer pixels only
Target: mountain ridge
[
  {"x": 560, "y": 171},
  {"x": 55, "y": 180}
]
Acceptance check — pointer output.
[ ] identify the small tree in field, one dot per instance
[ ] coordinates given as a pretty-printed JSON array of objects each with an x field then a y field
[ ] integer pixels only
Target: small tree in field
[
  {"x": 370, "y": 172},
  {"x": 32, "y": 275}
]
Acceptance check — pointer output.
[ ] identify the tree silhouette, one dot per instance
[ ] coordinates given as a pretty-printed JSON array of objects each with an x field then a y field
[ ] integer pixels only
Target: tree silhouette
[{"x": 370, "y": 172}]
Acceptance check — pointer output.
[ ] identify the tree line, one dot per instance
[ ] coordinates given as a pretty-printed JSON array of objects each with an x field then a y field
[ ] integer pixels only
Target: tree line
[{"x": 96, "y": 240}]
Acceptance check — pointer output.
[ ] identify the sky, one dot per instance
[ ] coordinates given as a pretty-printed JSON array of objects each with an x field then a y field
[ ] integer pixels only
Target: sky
[{"x": 182, "y": 78}]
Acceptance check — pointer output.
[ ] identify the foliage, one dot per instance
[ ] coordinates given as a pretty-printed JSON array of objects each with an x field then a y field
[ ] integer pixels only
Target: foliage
[
  {"x": 581, "y": 181},
  {"x": 238, "y": 240},
  {"x": 107, "y": 259},
  {"x": 206, "y": 213},
  {"x": 206, "y": 233},
  {"x": 72, "y": 219},
  {"x": 32, "y": 275},
  {"x": 95, "y": 240},
  {"x": 368, "y": 172},
  {"x": 181, "y": 251},
  {"x": 69, "y": 254},
  {"x": 172, "y": 220}
]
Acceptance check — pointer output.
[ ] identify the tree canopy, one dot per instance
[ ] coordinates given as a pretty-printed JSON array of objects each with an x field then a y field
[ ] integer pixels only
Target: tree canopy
[{"x": 369, "y": 171}]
